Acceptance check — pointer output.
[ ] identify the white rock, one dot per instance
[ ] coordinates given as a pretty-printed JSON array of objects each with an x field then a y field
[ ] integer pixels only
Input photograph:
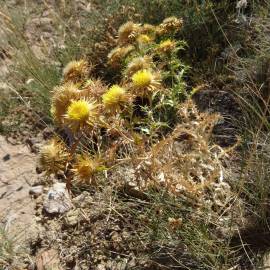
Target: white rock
[
  {"x": 58, "y": 200},
  {"x": 72, "y": 218},
  {"x": 36, "y": 190}
]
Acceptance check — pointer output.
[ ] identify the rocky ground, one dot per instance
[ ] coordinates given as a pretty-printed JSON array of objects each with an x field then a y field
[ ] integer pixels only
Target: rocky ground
[
  {"x": 17, "y": 208},
  {"x": 20, "y": 187},
  {"x": 21, "y": 198},
  {"x": 44, "y": 225}
]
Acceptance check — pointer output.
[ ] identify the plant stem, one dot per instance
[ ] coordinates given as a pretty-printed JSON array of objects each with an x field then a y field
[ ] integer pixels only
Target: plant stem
[{"x": 72, "y": 151}]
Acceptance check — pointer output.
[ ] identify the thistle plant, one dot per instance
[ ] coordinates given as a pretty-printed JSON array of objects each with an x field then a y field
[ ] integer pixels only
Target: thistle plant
[
  {"x": 141, "y": 133},
  {"x": 135, "y": 117}
]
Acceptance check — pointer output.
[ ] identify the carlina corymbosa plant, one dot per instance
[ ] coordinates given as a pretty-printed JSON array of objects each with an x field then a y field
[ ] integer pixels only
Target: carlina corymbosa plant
[
  {"x": 140, "y": 133},
  {"x": 136, "y": 120}
]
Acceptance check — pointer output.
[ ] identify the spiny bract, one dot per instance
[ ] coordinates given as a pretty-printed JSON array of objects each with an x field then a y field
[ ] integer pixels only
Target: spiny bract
[
  {"x": 53, "y": 157},
  {"x": 76, "y": 71},
  {"x": 93, "y": 88},
  {"x": 138, "y": 63},
  {"x": 117, "y": 55},
  {"x": 148, "y": 29},
  {"x": 128, "y": 32},
  {"x": 85, "y": 167}
]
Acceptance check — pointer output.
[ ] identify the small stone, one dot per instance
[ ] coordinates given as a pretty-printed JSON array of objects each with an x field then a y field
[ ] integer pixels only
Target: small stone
[
  {"x": 58, "y": 200},
  {"x": 38, "y": 219},
  {"x": 121, "y": 265},
  {"x": 6, "y": 157},
  {"x": 36, "y": 190},
  {"x": 72, "y": 218},
  {"x": 101, "y": 267},
  {"x": 48, "y": 259},
  {"x": 45, "y": 21},
  {"x": 132, "y": 263}
]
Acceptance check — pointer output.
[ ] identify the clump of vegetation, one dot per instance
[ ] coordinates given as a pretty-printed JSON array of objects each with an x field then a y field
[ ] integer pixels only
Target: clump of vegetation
[
  {"x": 134, "y": 112},
  {"x": 144, "y": 133}
]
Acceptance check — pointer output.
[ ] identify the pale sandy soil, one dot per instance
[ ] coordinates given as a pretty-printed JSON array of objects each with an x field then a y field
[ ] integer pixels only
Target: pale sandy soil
[{"x": 17, "y": 174}]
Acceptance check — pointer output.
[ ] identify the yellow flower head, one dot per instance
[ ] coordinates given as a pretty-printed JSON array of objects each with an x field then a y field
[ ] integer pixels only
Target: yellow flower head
[
  {"x": 128, "y": 32},
  {"x": 114, "y": 96},
  {"x": 85, "y": 167},
  {"x": 117, "y": 55},
  {"x": 76, "y": 71},
  {"x": 166, "y": 46},
  {"x": 53, "y": 156},
  {"x": 61, "y": 99},
  {"x": 80, "y": 113},
  {"x": 170, "y": 25},
  {"x": 142, "y": 78},
  {"x": 78, "y": 110},
  {"x": 144, "y": 39}
]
